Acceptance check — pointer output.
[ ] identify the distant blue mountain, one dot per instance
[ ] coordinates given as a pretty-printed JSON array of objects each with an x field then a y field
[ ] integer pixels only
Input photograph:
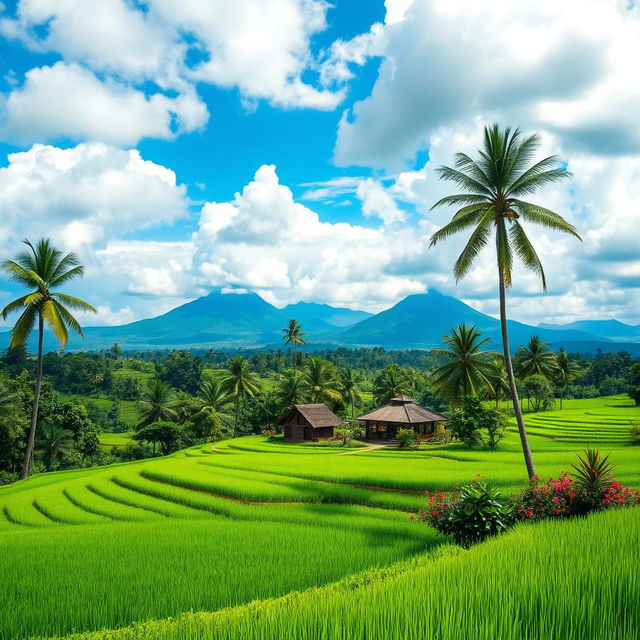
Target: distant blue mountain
[
  {"x": 420, "y": 321},
  {"x": 246, "y": 320},
  {"x": 610, "y": 329}
]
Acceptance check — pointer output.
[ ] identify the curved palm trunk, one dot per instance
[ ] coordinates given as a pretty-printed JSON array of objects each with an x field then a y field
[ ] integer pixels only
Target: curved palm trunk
[
  {"x": 28, "y": 456},
  {"x": 512, "y": 381}
]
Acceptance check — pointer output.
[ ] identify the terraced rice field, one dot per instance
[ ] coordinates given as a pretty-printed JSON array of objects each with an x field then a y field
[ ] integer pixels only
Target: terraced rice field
[{"x": 217, "y": 526}]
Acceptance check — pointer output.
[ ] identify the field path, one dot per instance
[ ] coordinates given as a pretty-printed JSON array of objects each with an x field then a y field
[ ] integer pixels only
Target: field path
[{"x": 369, "y": 448}]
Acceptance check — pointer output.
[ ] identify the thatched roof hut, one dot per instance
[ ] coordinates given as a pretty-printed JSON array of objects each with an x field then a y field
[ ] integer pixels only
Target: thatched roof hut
[{"x": 308, "y": 422}]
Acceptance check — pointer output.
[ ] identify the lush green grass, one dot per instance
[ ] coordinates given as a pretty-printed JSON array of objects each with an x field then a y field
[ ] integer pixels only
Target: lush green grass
[
  {"x": 110, "y": 440},
  {"x": 128, "y": 408},
  {"x": 216, "y": 526},
  {"x": 570, "y": 580},
  {"x": 143, "y": 376}
]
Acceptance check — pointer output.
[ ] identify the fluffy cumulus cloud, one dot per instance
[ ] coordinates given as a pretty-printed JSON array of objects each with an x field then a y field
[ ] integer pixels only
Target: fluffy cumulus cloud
[
  {"x": 550, "y": 65},
  {"x": 267, "y": 242},
  {"x": 113, "y": 51},
  {"x": 85, "y": 194},
  {"x": 84, "y": 197}
]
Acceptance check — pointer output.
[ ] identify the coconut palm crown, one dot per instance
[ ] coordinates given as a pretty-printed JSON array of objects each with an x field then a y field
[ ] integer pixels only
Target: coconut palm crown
[{"x": 491, "y": 205}]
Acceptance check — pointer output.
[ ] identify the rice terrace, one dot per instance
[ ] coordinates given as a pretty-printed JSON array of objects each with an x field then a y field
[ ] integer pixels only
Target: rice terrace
[{"x": 319, "y": 320}]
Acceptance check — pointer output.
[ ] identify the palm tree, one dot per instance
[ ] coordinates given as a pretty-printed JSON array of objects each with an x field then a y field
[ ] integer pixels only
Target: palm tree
[
  {"x": 468, "y": 367},
  {"x": 55, "y": 441},
  {"x": 566, "y": 371},
  {"x": 320, "y": 381},
  {"x": 290, "y": 389},
  {"x": 491, "y": 188},
  {"x": 43, "y": 269},
  {"x": 535, "y": 358},
  {"x": 211, "y": 405},
  {"x": 392, "y": 381},
  {"x": 293, "y": 336},
  {"x": 157, "y": 405},
  {"x": 498, "y": 380},
  {"x": 239, "y": 382},
  {"x": 349, "y": 386}
]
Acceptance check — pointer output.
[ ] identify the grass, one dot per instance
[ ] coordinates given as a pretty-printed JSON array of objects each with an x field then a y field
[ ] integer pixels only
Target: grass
[
  {"x": 214, "y": 527},
  {"x": 533, "y": 582},
  {"x": 109, "y": 440}
]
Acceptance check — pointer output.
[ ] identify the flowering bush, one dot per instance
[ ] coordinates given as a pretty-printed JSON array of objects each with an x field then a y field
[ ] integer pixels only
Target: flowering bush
[
  {"x": 469, "y": 514},
  {"x": 408, "y": 439}
]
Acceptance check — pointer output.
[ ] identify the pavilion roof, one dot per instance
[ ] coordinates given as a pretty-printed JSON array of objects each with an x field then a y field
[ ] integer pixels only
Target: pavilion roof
[{"x": 402, "y": 410}]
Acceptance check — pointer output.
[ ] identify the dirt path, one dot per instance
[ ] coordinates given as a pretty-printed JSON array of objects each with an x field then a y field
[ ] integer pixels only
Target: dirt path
[{"x": 369, "y": 448}]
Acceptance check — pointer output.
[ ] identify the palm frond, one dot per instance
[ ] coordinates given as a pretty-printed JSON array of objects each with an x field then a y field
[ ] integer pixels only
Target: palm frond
[
  {"x": 23, "y": 327},
  {"x": 73, "y": 302},
  {"x": 526, "y": 252},
  {"x": 67, "y": 263},
  {"x": 16, "y": 305},
  {"x": 477, "y": 242},
  {"x": 462, "y": 180},
  {"x": 72, "y": 274},
  {"x": 68, "y": 319},
  {"x": 17, "y": 273},
  {"x": 52, "y": 317},
  {"x": 544, "y": 217},
  {"x": 460, "y": 198},
  {"x": 457, "y": 224}
]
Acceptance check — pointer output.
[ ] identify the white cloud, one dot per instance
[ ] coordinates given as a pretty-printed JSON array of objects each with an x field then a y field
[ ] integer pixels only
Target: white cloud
[
  {"x": 107, "y": 316},
  {"x": 68, "y": 101},
  {"x": 376, "y": 201},
  {"x": 267, "y": 242},
  {"x": 113, "y": 50},
  {"x": 550, "y": 65},
  {"x": 83, "y": 195}
]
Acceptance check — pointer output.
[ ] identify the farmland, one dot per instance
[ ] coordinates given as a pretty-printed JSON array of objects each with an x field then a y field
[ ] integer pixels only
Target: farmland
[{"x": 219, "y": 526}]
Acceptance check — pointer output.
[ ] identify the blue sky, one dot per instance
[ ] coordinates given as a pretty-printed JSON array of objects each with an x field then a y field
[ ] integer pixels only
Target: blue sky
[{"x": 287, "y": 147}]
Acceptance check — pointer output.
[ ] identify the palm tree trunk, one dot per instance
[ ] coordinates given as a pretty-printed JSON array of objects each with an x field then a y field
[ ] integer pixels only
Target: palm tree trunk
[
  {"x": 528, "y": 459},
  {"x": 28, "y": 456}
]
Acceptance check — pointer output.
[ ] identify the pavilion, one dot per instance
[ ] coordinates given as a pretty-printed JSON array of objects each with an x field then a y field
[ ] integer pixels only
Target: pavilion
[{"x": 401, "y": 413}]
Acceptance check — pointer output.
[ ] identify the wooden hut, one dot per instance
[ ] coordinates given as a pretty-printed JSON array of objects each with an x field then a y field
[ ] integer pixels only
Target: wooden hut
[
  {"x": 401, "y": 413},
  {"x": 309, "y": 422}
]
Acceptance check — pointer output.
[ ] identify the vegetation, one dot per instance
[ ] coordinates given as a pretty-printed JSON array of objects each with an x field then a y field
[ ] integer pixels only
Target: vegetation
[
  {"x": 491, "y": 191},
  {"x": 476, "y": 424},
  {"x": 43, "y": 269}
]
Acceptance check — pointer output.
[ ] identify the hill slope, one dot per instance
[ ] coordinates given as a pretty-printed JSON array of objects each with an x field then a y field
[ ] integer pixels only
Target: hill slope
[
  {"x": 420, "y": 321},
  {"x": 609, "y": 329}
]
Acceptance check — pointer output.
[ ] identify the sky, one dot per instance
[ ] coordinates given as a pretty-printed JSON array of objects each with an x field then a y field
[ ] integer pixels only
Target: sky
[{"x": 289, "y": 147}]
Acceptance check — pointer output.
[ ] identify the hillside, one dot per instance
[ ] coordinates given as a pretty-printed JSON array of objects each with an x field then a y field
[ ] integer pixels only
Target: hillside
[
  {"x": 611, "y": 329},
  {"x": 420, "y": 321},
  {"x": 417, "y": 322}
]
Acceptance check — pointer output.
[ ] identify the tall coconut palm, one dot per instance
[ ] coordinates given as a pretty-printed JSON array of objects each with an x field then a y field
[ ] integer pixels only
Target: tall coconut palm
[
  {"x": 240, "y": 382},
  {"x": 535, "y": 359},
  {"x": 321, "y": 382},
  {"x": 491, "y": 189},
  {"x": 290, "y": 389},
  {"x": 349, "y": 386},
  {"x": 293, "y": 336},
  {"x": 467, "y": 367},
  {"x": 43, "y": 269},
  {"x": 566, "y": 371},
  {"x": 157, "y": 405}
]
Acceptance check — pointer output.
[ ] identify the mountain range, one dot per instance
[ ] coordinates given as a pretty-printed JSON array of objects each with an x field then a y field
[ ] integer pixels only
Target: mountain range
[{"x": 417, "y": 322}]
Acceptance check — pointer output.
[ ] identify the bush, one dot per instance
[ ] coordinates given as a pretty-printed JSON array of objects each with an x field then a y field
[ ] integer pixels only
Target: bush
[
  {"x": 470, "y": 514},
  {"x": 634, "y": 433},
  {"x": 6, "y": 477},
  {"x": 539, "y": 392},
  {"x": 408, "y": 439},
  {"x": 476, "y": 424}
]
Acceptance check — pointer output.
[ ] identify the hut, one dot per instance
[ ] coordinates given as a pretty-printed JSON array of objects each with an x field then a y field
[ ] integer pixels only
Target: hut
[
  {"x": 401, "y": 413},
  {"x": 308, "y": 422}
]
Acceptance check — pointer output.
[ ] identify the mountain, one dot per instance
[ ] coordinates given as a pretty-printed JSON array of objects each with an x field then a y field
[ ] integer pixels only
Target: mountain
[
  {"x": 246, "y": 320},
  {"x": 321, "y": 317},
  {"x": 232, "y": 320},
  {"x": 609, "y": 329},
  {"x": 420, "y": 321}
]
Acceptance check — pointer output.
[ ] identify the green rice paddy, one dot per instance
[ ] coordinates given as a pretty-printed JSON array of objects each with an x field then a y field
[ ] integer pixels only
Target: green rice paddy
[{"x": 215, "y": 527}]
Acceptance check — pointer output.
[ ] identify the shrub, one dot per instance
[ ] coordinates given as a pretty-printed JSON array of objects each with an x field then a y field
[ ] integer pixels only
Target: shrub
[
  {"x": 634, "y": 432},
  {"x": 539, "y": 392},
  {"x": 470, "y": 514},
  {"x": 268, "y": 433},
  {"x": 476, "y": 424},
  {"x": 343, "y": 433},
  {"x": 408, "y": 439},
  {"x": 6, "y": 477}
]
